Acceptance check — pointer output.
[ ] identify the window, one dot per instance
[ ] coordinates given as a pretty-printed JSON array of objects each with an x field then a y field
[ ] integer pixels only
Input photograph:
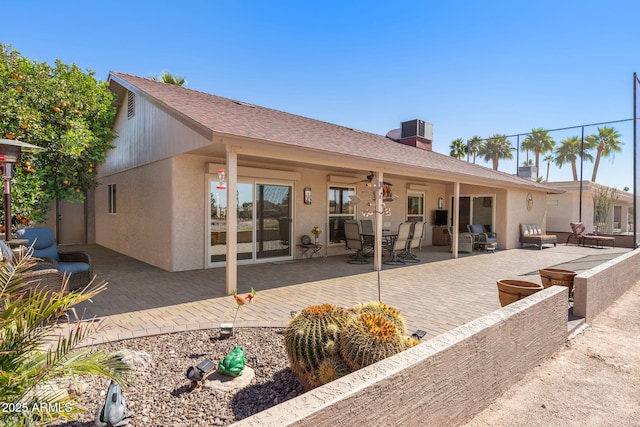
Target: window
[
  {"x": 415, "y": 207},
  {"x": 112, "y": 198},
  {"x": 339, "y": 211}
]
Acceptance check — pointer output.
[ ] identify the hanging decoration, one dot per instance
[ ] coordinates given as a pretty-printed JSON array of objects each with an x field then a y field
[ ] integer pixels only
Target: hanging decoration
[
  {"x": 221, "y": 184},
  {"x": 375, "y": 190}
]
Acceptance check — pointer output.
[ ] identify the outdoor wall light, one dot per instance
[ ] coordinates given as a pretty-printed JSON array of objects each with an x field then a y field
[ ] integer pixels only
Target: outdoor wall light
[
  {"x": 221, "y": 184},
  {"x": 419, "y": 334},
  {"x": 195, "y": 374}
]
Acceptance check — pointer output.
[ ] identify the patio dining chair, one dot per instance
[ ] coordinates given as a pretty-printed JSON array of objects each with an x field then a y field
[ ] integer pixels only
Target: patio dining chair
[
  {"x": 368, "y": 242},
  {"x": 398, "y": 248},
  {"x": 414, "y": 242},
  {"x": 353, "y": 242}
]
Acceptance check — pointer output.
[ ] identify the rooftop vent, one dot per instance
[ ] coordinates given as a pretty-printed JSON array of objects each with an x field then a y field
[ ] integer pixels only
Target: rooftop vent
[
  {"x": 416, "y": 133},
  {"x": 131, "y": 104},
  {"x": 416, "y": 128}
]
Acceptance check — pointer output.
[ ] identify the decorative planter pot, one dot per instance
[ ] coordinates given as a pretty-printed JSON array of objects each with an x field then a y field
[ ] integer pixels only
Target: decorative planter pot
[
  {"x": 513, "y": 290},
  {"x": 556, "y": 276}
]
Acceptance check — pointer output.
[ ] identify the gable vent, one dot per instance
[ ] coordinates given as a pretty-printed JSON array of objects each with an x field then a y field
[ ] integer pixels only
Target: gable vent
[{"x": 131, "y": 104}]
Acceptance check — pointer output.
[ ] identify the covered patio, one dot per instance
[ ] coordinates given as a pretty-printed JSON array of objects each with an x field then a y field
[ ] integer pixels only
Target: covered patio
[{"x": 435, "y": 295}]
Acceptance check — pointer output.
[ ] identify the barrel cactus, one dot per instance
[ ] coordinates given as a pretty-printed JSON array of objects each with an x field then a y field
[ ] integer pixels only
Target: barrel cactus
[
  {"x": 369, "y": 338},
  {"x": 332, "y": 368},
  {"x": 392, "y": 314},
  {"x": 311, "y": 336}
]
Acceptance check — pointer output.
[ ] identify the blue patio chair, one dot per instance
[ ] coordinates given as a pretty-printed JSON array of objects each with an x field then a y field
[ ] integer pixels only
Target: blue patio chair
[
  {"x": 39, "y": 277},
  {"x": 77, "y": 264}
]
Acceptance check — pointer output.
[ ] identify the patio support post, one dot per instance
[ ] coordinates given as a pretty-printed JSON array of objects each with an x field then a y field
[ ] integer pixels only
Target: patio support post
[
  {"x": 232, "y": 220},
  {"x": 456, "y": 219},
  {"x": 377, "y": 252}
]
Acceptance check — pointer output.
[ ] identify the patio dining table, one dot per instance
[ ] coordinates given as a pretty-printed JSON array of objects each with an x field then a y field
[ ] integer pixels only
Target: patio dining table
[{"x": 388, "y": 236}]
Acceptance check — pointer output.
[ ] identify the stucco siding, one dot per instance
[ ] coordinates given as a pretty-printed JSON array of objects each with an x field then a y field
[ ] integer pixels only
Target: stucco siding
[
  {"x": 142, "y": 225},
  {"x": 189, "y": 194},
  {"x": 518, "y": 213}
]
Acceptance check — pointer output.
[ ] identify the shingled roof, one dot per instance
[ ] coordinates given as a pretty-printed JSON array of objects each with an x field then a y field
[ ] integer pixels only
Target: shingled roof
[{"x": 226, "y": 116}]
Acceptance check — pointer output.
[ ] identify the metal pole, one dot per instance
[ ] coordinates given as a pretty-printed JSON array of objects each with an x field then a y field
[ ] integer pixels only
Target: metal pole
[
  {"x": 581, "y": 167},
  {"x": 518, "y": 155},
  {"x": 635, "y": 163},
  {"x": 7, "y": 207}
]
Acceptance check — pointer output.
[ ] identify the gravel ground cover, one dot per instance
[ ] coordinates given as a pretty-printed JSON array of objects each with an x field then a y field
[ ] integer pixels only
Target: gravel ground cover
[{"x": 162, "y": 396}]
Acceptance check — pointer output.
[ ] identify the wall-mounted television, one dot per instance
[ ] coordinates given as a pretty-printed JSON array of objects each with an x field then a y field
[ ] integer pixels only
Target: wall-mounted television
[{"x": 440, "y": 218}]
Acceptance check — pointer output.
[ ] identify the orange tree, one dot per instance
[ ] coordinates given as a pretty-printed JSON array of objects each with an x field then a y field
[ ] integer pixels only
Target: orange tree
[{"x": 62, "y": 109}]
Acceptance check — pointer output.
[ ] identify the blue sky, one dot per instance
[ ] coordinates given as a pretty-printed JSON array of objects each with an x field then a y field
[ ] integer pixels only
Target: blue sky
[{"x": 468, "y": 67}]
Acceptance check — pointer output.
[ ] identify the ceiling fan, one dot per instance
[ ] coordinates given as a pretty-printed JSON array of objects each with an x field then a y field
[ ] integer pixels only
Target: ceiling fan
[{"x": 370, "y": 180}]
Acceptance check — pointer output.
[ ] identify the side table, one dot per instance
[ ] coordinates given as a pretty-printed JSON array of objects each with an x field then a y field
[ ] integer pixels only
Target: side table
[{"x": 308, "y": 251}]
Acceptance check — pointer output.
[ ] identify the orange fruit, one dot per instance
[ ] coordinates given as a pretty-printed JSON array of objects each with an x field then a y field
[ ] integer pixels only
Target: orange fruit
[
  {"x": 65, "y": 182},
  {"x": 9, "y": 136},
  {"x": 56, "y": 109}
]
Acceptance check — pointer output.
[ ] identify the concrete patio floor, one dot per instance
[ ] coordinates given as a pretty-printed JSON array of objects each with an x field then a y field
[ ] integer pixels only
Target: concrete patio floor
[{"x": 435, "y": 295}]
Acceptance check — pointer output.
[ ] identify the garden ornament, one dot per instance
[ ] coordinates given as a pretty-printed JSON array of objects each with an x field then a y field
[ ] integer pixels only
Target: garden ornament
[
  {"x": 114, "y": 411},
  {"x": 233, "y": 363},
  {"x": 198, "y": 373}
]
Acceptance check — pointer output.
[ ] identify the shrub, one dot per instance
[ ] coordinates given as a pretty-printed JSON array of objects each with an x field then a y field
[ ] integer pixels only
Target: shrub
[{"x": 37, "y": 347}]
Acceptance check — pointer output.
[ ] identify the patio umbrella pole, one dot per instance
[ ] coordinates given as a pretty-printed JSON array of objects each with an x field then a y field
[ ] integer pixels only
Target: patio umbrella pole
[{"x": 379, "y": 297}]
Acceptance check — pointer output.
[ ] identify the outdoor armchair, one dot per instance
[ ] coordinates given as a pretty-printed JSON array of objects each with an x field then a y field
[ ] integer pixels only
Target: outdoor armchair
[
  {"x": 40, "y": 276},
  {"x": 77, "y": 264},
  {"x": 481, "y": 235},
  {"x": 465, "y": 241},
  {"x": 578, "y": 231}
]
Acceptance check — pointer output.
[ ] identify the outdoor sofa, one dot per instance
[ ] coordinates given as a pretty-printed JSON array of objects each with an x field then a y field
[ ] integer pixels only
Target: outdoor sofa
[{"x": 531, "y": 234}]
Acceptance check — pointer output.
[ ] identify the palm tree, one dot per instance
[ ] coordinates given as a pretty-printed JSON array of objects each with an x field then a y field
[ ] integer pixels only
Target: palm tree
[
  {"x": 606, "y": 143},
  {"x": 539, "y": 141},
  {"x": 473, "y": 146},
  {"x": 495, "y": 148},
  {"x": 527, "y": 162},
  {"x": 548, "y": 158},
  {"x": 458, "y": 148},
  {"x": 172, "y": 79},
  {"x": 569, "y": 151},
  {"x": 33, "y": 350}
]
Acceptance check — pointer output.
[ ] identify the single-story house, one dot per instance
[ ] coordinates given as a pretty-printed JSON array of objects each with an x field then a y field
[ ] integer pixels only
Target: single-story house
[
  {"x": 567, "y": 207},
  {"x": 187, "y": 165}
]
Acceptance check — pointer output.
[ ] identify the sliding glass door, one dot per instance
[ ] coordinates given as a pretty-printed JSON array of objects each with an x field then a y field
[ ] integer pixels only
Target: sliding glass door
[
  {"x": 475, "y": 210},
  {"x": 264, "y": 222}
]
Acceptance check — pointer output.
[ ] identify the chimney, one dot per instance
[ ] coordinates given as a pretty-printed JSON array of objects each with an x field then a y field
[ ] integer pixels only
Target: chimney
[{"x": 415, "y": 133}]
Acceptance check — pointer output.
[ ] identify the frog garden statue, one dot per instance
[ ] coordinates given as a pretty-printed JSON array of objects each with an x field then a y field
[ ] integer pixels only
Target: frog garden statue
[{"x": 233, "y": 363}]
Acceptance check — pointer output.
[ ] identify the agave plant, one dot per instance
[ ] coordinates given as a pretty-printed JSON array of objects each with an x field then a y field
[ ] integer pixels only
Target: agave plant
[{"x": 37, "y": 348}]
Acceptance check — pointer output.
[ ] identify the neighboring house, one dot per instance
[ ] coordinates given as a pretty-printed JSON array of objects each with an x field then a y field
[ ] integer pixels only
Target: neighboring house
[
  {"x": 159, "y": 199},
  {"x": 565, "y": 208}
]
